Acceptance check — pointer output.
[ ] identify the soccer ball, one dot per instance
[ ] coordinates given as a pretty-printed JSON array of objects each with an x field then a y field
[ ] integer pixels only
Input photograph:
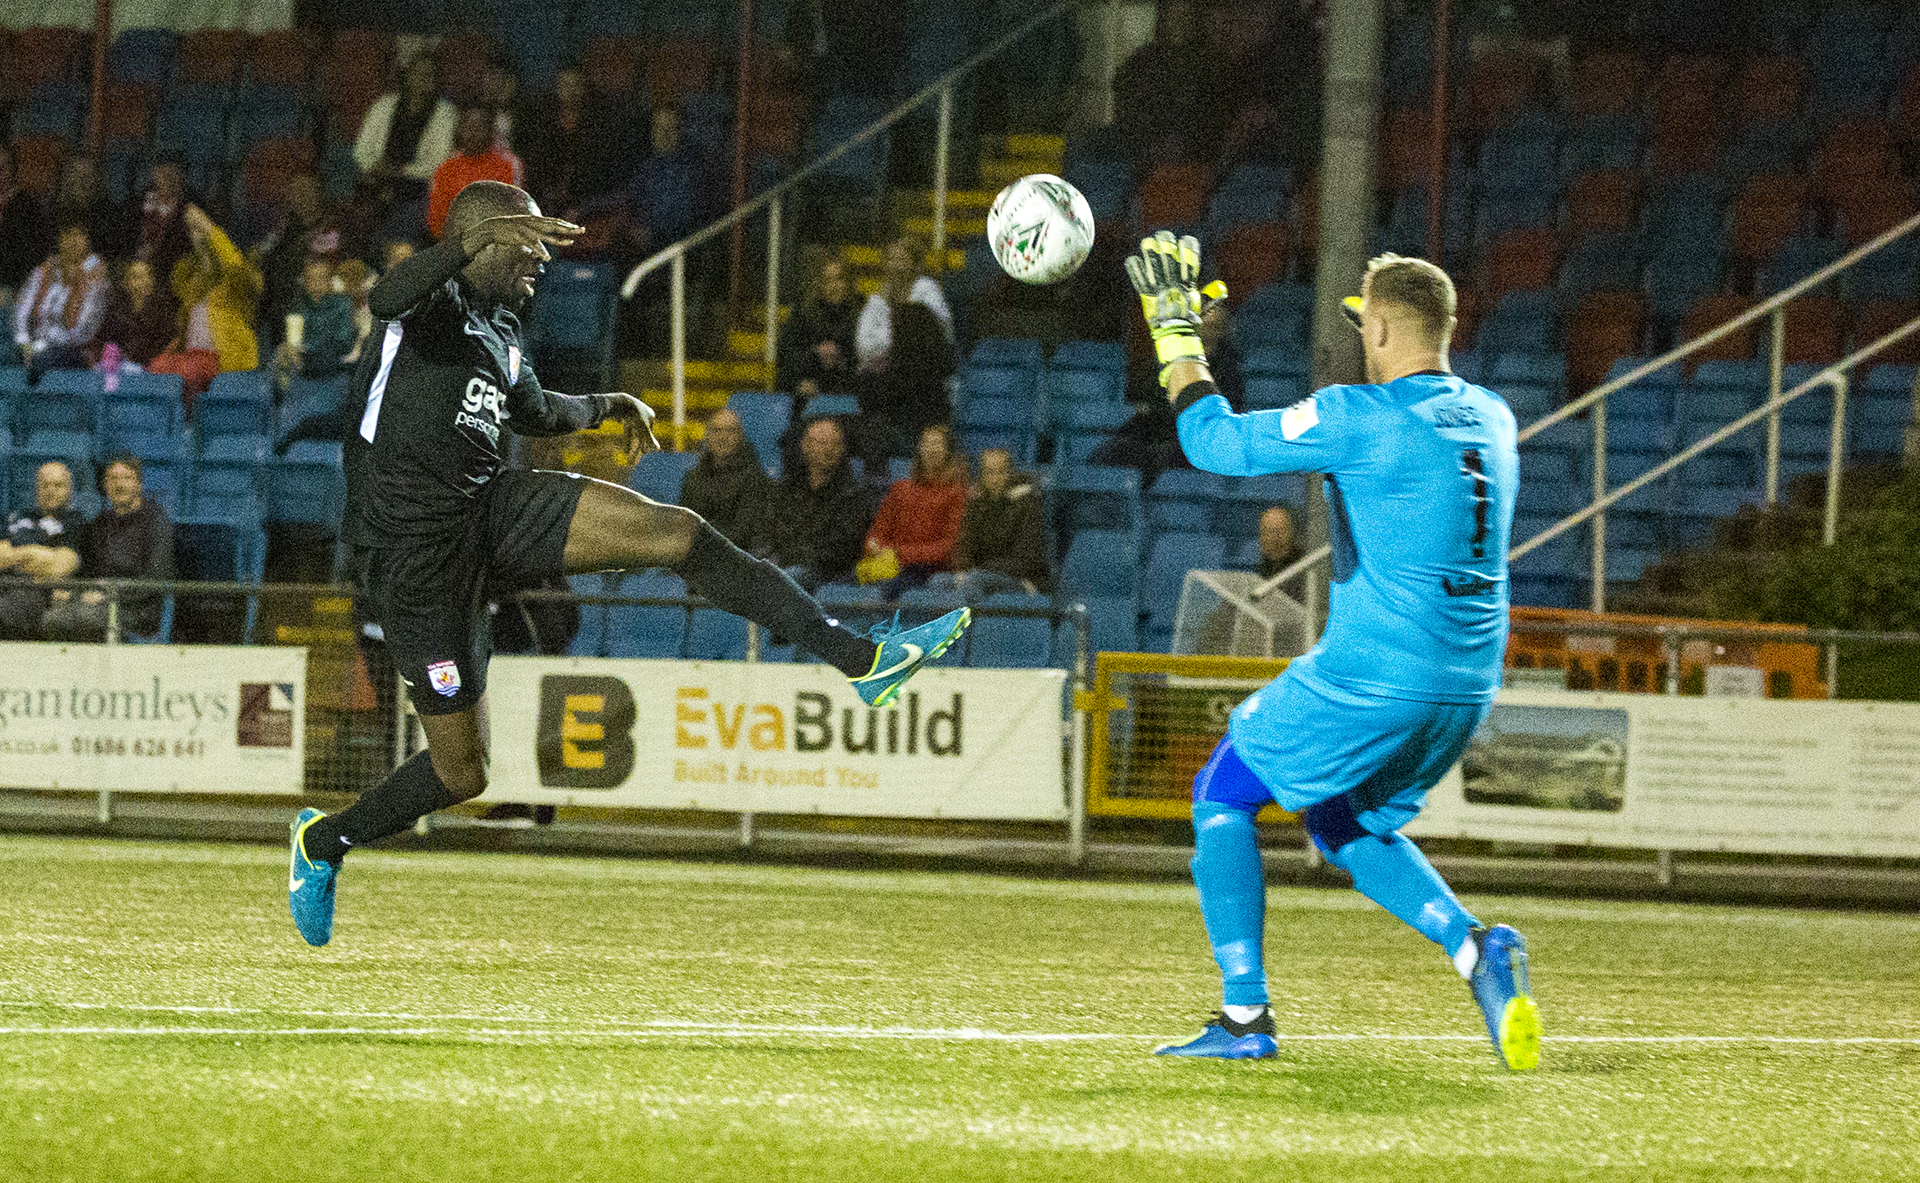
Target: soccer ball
[{"x": 1040, "y": 229}]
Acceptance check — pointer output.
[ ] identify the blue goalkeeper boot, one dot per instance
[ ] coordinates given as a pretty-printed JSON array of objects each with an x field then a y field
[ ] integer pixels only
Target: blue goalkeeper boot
[
  {"x": 310, "y": 884},
  {"x": 1499, "y": 984},
  {"x": 1225, "y": 1039},
  {"x": 904, "y": 650}
]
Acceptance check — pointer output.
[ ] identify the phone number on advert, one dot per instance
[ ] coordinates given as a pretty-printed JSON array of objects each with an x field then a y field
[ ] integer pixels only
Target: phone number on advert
[
  {"x": 29, "y": 747},
  {"x": 114, "y": 745}
]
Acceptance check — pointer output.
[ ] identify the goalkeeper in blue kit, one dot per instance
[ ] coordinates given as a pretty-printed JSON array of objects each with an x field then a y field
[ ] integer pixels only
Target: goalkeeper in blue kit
[{"x": 1421, "y": 469}]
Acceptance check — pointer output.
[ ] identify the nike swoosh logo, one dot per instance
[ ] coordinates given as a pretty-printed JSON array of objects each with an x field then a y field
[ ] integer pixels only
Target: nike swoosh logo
[
  {"x": 913, "y": 655},
  {"x": 295, "y": 884}
]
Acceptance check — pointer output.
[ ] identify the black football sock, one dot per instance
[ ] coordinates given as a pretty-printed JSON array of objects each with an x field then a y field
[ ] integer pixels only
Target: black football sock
[
  {"x": 730, "y": 578},
  {"x": 411, "y": 792}
]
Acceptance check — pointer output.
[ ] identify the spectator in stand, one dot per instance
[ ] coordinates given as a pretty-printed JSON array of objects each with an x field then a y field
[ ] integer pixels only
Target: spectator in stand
[
  {"x": 81, "y": 200},
  {"x": 308, "y": 227},
  {"x": 39, "y": 545},
  {"x": 141, "y": 319},
  {"x": 405, "y": 136},
  {"x": 514, "y": 118},
  {"x": 1279, "y": 549},
  {"x": 163, "y": 239},
  {"x": 132, "y": 538},
  {"x": 584, "y": 148},
  {"x": 1158, "y": 112},
  {"x": 217, "y": 288},
  {"x": 820, "y": 516},
  {"x": 899, "y": 403},
  {"x": 475, "y": 158},
  {"x": 671, "y": 193},
  {"x": 816, "y": 345},
  {"x": 905, "y": 280},
  {"x": 56, "y": 322},
  {"x": 320, "y": 329},
  {"x": 25, "y": 236},
  {"x": 914, "y": 533},
  {"x": 728, "y": 487},
  {"x": 1003, "y": 535}
]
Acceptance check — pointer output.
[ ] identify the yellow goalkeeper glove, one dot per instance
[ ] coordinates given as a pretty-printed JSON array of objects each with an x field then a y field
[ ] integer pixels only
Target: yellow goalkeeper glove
[{"x": 1166, "y": 273}]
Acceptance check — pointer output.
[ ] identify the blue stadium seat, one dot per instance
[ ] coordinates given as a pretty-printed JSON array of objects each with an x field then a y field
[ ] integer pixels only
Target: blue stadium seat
[
  {"x": 51, "y": 109},
  {"x": 268, "y": 112},
  {"x": 1603, "y": 142},
  {"x": 763, "y": 417},
  {"x": 49, "y": 408},
  {"x": 1522, "y": 322},
  {"x": 1186, "y": 500},
  {"x": 1010, "y": 642},
  {"x": 1275, "y": 314},
  {"x": 999, "y": 381},
  {"x": 1796, "y": 259},
  {"x": 217, "y": 552},
  {"x": 1017, "y": 352},
  {"x": 636, "y": 630},
  {"x": 1173, "y": 556},
  {"x": 1567, "y": 555},
  {"x": 1087, "y": 497},
  {"x": 1722, "y": 391},
  {"x": 1675, "y": 279},
  {"x": 1249, "y": 497},
  {"x": 307, "y": 486},
  {"x": 1600, "y": 263},
  {"x": 590, "y": 639},
  {"x": 1266, "y": 392},
  {"x": 997, "y": 414},
  {"x": 571, "y": 322},
  {"x": 658, "y": 475},
  {"x": 1275, "y": 361},
  {"x": 143, "y": 57},
  {"x": 1090, "y": 418},
  {"x": 858, "y": 606},
  {"x": 1089, "y": 355},
  {"x": 1250, "y": 193},
  {"x": 1102, "y": 563},
  {"x": 1107, "y": 185},
  {"x": 1548, "y": 496},
  {"x": 822, "y": 406},
  {"x": 228, "y": 492},
  {"x": 1878, "y": 420},
  {"x": 1114, "y": 620},
  {"x": 1086, "y": 386},
  {"x": 124, "y": 420}
]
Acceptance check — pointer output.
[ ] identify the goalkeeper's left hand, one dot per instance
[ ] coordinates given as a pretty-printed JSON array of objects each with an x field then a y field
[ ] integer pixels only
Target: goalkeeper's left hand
[{"x": 1166, "y": 273}]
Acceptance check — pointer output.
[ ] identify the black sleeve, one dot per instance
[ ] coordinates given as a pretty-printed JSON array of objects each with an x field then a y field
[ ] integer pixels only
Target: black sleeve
[
  {"x": 159, "y": 547},
  {"x": 403, "y": 288},
  {"x": 533, "y": 410},
  {"x": 1192, "y": 393}
]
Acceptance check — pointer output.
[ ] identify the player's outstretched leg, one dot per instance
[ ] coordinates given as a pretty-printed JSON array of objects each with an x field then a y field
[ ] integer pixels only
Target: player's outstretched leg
[
  {"x": 616, "y": 528},
  {"x": 1392, "y": 872},
  {"x": 310, "y": 884},
  {"x": 1233, "y": 903}
]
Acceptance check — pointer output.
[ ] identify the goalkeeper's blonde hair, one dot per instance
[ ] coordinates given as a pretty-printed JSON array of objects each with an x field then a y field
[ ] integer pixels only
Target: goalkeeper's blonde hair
[{"x": 1420, "y": 287}]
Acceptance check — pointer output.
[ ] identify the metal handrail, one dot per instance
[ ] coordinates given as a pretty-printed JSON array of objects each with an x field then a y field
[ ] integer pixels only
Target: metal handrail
[{"x": 654, "y": 261}]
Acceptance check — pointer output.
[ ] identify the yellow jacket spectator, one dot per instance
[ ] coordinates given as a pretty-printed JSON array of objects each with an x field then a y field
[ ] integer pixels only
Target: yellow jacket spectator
[{"x": 217, "y": 288}]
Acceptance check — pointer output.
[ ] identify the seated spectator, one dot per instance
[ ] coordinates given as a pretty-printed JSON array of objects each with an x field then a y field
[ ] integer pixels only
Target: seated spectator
[
  {"x": 308, "y": 226},
  {"x": 39, "y": 545},
  {"x": 141, "y": 319},
  {"x": 1279, "y": 550},
  {"x": 819, "y": 519},
  {"x": 162, "y": 238},
  {"x": 905, "y": 281},
  {"x": 320, "y": 330},
  {"x": 816, "y": 345},
  {"x": 405, "y": 136},
  {"x": 1158, "y": 113},
  {"x": 728, "y": 487},
  {"x": 132, "y": 538},
  {"x": 1003, "y": 535},
  {"x": 914, "y": 533},
  {"x": 25, "y": 236},
  {"x": 475, "y": 158},
  {"x": 81, "y": 200},
  {"x": 56, "y": 322},
  {"x": 672, "y": 193},
  {"x": 217, "y": 288},
  {"x": 514, "y": 118},
  {"x": 584, "y": 148},
  {"x": 910, "y": 395}
]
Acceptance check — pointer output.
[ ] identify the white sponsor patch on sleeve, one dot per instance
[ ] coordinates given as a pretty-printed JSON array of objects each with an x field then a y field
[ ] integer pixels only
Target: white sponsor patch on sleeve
[{"x": 1297, "y": 419}]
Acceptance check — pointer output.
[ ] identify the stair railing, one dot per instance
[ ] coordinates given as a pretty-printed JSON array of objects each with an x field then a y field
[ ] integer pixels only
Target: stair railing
[
  {"x": 674, "y": 257},
  {"x": 1773, "y": 307}
]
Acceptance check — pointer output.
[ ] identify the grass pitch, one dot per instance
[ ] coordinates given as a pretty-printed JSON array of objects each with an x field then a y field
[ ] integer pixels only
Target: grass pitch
[{"x": 487, "y": 1017}]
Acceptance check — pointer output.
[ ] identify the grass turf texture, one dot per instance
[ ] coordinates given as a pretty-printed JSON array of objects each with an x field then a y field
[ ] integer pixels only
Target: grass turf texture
[{"x": 487, "y": 1017}]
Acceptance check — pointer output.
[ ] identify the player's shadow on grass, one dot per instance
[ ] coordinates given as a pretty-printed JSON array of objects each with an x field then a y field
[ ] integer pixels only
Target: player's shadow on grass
[{"x": 1371, "y": 1091}]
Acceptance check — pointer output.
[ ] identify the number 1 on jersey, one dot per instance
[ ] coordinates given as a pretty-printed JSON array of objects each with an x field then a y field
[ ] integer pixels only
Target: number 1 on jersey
[{"x": 1473, "y": 467}]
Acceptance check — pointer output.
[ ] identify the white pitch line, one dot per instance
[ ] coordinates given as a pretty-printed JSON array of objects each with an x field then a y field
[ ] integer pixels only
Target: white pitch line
[{"x": 677, "y": 1030}]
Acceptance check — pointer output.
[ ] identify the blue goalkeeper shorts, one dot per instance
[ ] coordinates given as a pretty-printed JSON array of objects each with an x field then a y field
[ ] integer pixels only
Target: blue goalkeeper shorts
[{"x": 1297, "y": 744}]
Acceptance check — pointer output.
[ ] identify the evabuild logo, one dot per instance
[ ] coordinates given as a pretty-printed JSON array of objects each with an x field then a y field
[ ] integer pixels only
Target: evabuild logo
[{"x": 585, "y": 735}]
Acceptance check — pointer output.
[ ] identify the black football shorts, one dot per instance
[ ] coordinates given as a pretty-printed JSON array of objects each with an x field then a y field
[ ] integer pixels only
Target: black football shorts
[{"x": 429, "y": 594}]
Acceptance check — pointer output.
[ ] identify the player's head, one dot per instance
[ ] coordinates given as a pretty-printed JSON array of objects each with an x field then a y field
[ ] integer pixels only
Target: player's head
[
  {"x": 499, "y": 274},
  {"x": 1406, "y": 316}
]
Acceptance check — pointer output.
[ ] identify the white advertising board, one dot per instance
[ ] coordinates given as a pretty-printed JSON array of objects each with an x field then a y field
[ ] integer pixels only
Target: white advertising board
[
  {"x": 1764, "y": 776},
  {"x": 775, "y": 738},
  {"x": 152, "y": 719}
]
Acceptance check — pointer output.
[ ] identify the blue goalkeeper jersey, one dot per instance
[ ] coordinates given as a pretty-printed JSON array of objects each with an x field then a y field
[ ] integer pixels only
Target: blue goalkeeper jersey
[{"x": 1421, "y": 474}]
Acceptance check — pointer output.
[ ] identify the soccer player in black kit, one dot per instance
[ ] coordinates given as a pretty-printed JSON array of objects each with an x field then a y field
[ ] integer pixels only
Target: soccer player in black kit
[{"x": 434, "y": 520}]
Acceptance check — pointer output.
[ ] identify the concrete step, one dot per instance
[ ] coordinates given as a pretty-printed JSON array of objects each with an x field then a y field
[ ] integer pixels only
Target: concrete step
[
  {"x": 739, "y": 373},
  {"x": 974, "y": 201},
  {"x": 1036, "y": 144},
  {"x": 957, "y": 228},
  {"x": 1005, "y": 171}
]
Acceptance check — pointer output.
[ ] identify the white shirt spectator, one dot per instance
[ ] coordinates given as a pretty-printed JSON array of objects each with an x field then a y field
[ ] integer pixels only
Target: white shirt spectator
[
  {"x": 50, "y": 311},
  {"x": 436, "y": 142},
  {"x": 873, "y": 334}
]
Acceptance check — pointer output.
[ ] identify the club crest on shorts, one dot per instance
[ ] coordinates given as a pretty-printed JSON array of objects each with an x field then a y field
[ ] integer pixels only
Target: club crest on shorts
[{"x": 444, "y": 677}]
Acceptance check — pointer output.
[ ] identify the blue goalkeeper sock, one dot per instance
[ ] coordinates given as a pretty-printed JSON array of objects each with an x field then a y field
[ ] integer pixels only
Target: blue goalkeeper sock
[
  {"x": 1390, "y": 870},
  {"x": 1233, "y": 898}
]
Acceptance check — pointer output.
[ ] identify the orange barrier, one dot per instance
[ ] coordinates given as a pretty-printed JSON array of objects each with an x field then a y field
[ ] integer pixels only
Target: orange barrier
[{"x": 1602, "y": 660}]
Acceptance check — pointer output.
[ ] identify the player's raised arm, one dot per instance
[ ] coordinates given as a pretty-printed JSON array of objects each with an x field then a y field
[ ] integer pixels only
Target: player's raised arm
[
  {"x": 406, "y": 285},
  {"x": 1166, "y": 274}
]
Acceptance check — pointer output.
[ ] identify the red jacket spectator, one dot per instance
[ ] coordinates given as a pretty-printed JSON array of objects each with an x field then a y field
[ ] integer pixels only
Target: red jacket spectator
[
  {"x": 475, "y": 158},
  {"x": 920, "y": 519}
]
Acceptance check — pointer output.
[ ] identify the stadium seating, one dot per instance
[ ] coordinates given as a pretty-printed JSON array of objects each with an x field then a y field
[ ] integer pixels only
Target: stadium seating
[
  {"x": 639, "y": 630},
  {"x": 1010, "y": 642},
  {"x": 658, "y": 474},
  {"x": 763, "y": 418}
]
